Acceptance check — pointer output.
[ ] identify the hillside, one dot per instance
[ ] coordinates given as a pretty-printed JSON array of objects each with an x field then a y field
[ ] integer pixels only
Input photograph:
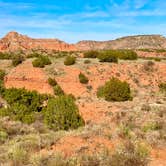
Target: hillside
[
  {"x": 14, "y": 41},
  {"x": 130, "y": 42}
]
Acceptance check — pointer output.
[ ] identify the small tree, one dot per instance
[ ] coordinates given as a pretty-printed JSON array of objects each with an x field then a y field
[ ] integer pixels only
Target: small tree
[
  {"x": 91, "y": 54},
  {"x": 2, "y": 74},
  {"x": 41, "y": 61},
  {"x": 83, "y": 79},
  {"x": 62, "y": 114},
  {"x": 58, "y": 91},
  {"x": 52, "y": 81},
  {"x": 115, "y": 90},
  {"x": 107, "y": 56},
  {"x": 17, "y": 60},
  {"x": 69, "y": 60}
]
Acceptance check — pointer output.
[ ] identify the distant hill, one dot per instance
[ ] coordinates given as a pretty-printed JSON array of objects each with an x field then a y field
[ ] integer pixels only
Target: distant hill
[
  {"x": 129, "y": 42},
  {"x": 14, "y": 41}
]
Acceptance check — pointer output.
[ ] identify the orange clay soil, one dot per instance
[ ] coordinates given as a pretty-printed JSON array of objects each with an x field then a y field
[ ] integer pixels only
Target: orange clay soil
[
  {"x": 28, "y": 77},
  {"x": 92, "y": 109}
]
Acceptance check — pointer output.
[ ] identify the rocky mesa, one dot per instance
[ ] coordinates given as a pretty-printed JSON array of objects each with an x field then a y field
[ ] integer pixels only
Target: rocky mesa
[{"x": 14, "y": 41}]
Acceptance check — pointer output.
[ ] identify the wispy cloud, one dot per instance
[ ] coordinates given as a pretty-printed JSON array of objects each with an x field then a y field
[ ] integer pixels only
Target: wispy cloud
[{"x": 113, "y": 19}]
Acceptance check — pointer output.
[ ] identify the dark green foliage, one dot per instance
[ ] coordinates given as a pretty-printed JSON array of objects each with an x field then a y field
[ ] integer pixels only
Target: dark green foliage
[
  {"x": 2, "y": 74},
  {"x": 83, "y": 79},
  {"x": 2, "y": 88},
  {"x": 17, "y": 60},
  {"x": 33, "y": 55},
  {"x": 91, "y": 54},
  {"x": 62, "y": 114},
  {"x": 58, "y": 90},
  {"x": 126, "y": 54},
  {"x": 41, "y": 61},
  {"x": 22, "y": 104},
  {"x": 87, "y": 61},
  {"x": 162, "y": 87},
  {"x": 107, "y": 56},
  {"x": 5, "y": 55},
  {"x": 115, "y": 90},
  {"x": 52, "y": 81},
  {"x": 69, "y": 60}
]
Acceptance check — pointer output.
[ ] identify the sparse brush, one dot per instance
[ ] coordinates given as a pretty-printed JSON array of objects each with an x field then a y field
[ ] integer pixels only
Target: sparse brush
[
  {"x": 115, "y": 90},
  {"x": 83, "y": 79},
  {"x": 69, "y": 60}
]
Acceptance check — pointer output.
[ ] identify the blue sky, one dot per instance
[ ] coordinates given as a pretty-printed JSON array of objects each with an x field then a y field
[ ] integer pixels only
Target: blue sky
[{"x": 74, "y": 20}]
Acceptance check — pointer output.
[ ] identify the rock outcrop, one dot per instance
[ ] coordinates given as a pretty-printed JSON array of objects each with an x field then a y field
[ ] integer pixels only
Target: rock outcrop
[
  {"x": 28, "y": 77},
  {"x": 130, "y": 42},
  {"x": 14, "y": 41}
]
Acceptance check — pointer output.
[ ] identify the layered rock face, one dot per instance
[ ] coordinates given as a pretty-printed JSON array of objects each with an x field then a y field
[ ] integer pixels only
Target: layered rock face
[
  {"x": 14, "y": 41},
  {"x": 28, "y": 77},
  {"x": 131, "y": 42}
]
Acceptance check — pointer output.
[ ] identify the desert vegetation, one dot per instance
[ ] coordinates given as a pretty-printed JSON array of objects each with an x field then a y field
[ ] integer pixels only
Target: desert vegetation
[
  {"x": 83, "y": 79},
  {"x": 41, "y": 61},
  {"x": 115, "y": 90},
  {"x": 69, "y": 60},
  {"x": 97, "y": 114}
]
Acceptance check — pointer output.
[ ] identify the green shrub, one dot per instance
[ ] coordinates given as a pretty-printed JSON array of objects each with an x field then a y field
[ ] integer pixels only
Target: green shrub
[
  {"x": 17, "y": 60},
  {"x": 3, "y": 136},
  {"x": 2, "y": 74},
  {"x": 69, "y": 60},
  {"x": 62, "y": 114},
  {"x": 41, "y": 61},
  {"x": 52, "y": 81},
  {"x": 91, "y": 54},
  {"x": 87, "y": 61},
  {"x": 83, "y": 79},
  {"x": 115, "y": 90},
  {"x": 127, "y": 54},
  {"x": 162, "y": 87},
  {"x": 23, "y": 104},
  {"x": 107, "y": 56},
  {"x": 2, "y": 88},
  {"x": 5, "y": 55},
  {"x": 151, "y": 126},
  {"x": 58, "y": 91}
]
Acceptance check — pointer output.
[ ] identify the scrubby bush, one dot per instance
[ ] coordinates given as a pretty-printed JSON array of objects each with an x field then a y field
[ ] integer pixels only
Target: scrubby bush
[
  {"x": 107, "y": 56},
  {"x": 130, "y": 155},
  {"x": 127, "y": 54},
  {"x": 41, "y": 61},
  {"x": 83, "y": 79},
  {"x": 17, "y": 60},
  {"x": 62, "y": 114},
  {"x": 5, "y": 55},
  {"x": 148, "y": 66},
  {"x": 87, "y": 61},
  {"x": 69, "y": 60},
  {"x": 2, "y": 74},
  {"x": 58, "y": 91},
  {"x": 91, "y": 54},
  {"x": 162, "y": 87},
  {"x": 52, "y": 81},
  {"x": 22, "y": 104},
  {"x": 115, "y": 90}
]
